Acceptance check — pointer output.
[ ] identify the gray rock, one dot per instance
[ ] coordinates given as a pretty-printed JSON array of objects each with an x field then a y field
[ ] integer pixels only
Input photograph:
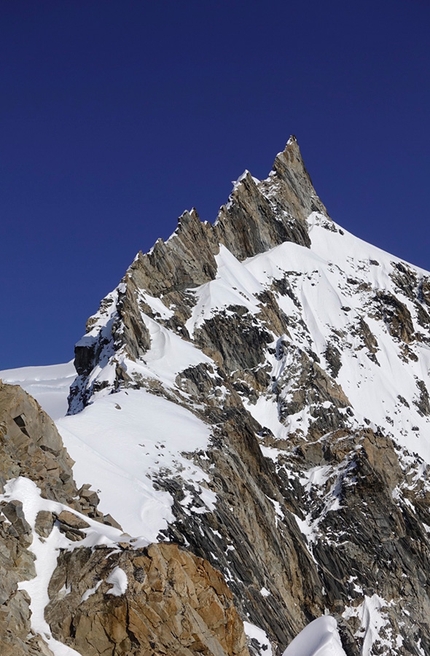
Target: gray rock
[
  {"x": 13, "y": 511},
  {"x": 71, "y": 520},
  {"x": 44, "y": 523}
]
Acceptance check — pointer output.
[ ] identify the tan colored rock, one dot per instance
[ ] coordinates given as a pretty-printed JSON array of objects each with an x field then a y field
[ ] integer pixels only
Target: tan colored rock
[
  {"x": 72, "y": 520},
  {"x": 44, "y": 523},
  {"x": 175, "y": 603},
  {"x": 31, "y": 446}
]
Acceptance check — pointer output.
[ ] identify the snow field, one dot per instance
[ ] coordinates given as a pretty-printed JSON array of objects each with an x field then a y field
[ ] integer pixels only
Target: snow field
[
  {"x": 122, "y": 442},
  {"x": 319, "y": 638}
]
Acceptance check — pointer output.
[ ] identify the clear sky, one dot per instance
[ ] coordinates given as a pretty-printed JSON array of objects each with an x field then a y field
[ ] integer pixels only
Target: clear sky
[{"x": 115, "y": 116}]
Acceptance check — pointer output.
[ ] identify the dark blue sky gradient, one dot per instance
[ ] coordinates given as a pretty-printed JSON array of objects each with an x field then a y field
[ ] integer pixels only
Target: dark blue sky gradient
[{"x": 117, "y": 116}]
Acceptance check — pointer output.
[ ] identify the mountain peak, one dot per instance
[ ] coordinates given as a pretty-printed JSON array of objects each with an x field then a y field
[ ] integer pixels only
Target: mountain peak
[
  {"x": 291, "y": 178},
  {"x": 301, "y": 352}
]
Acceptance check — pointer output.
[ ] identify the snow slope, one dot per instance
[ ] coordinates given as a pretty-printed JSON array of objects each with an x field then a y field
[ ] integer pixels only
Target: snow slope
[
  {"x": 335, "y": 284},
  {"x": 123, "y": 443},
  {"x": 319, "y": 638}
]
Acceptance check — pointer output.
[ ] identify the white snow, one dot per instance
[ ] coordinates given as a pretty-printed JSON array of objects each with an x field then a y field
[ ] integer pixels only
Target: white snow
[
  {"x": 118, "y": 579},
  {"x": 167, "y": 356},
  {"x": 122, "y": 442},
  {"x": 319, "y": 638},
  {"x": 156, "y": 305},
  {"x": 234, "y": 285},
  {"x": 265, "y": 411}
]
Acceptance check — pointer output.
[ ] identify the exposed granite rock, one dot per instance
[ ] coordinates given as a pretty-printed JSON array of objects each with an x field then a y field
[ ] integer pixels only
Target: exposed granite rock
[
  {"x": 333, "y": 358},
  {"x": 251, "y": 534},
  {"x": 423, "y": 400},
  {"x": 71, "y": 525},
  {"x": 31, "y": 446},
  {"x": 44, "y": 523},
  {"x": 396, "y": 316},
  {"x": 171, "y": 602},
  {"x": 261, "y": 216},
  {"x": 234, "y": 343},
  {"x": 186, "y": 260},
  {"x": 19, "y": 526},
  {"x": 368, "y": 338},
  {"x": 249, "y": 224},
  {"x": 291, "y": 182}
]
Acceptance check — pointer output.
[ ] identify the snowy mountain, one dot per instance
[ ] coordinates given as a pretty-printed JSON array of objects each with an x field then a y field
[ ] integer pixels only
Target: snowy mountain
[{"x": 256, "y": 392}]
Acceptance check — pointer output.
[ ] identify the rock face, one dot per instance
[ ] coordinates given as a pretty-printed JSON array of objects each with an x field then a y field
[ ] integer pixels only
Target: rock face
[
  {"x": 171, "y": 603},
  {"x": 258, "y": 216},
  {"x": 31, "y": 447},
  {"x": 113, "y": 599},
  {"x": 313, "y": 377}
]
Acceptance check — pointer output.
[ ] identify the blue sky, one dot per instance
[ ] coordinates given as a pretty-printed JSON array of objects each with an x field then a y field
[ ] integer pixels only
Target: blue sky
[{"x": 115, "y": 116}]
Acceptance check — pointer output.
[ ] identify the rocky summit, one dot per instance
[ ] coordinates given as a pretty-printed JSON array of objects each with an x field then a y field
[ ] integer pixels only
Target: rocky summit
[{"x": 252, "y": 406}]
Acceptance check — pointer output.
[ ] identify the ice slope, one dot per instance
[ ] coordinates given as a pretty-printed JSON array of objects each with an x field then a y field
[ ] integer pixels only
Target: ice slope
[{"x": 49, "y": 385}]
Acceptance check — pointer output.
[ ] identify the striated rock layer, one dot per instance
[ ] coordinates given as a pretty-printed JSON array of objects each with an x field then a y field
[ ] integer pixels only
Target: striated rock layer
[{"x": 310, "y": 366}]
